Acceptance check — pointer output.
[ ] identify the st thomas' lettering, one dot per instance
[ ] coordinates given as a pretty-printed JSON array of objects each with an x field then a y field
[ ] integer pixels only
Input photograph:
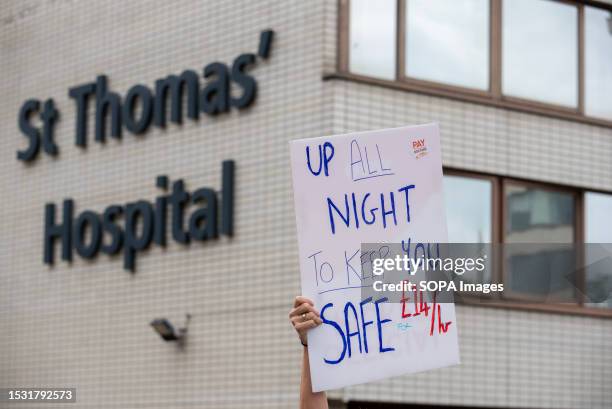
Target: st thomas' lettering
[{"x": 223, "y": 88}]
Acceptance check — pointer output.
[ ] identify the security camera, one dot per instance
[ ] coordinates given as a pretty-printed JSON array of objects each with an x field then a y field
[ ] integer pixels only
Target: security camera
[{"x": 166, "y": 330}]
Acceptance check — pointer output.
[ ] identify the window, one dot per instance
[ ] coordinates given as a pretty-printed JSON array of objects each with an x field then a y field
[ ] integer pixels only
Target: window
[
  {"x": 468, "y": 209},
  {"x": 540, "y": 226},
  {"x": 535, "y": 215},
  {"x": 598, "y": 232},
  {"x": 447, "y": 41},
  {"x": 540, "y": 51},
  {"x": 536, "y": 221},
  {"x": 372, "y": 37},
  {"x": 598, "y": 62},
  {"x": 549, "y": 57},
  {"x": 598, "y": 218},
  {"x": 469, "y": 216}
]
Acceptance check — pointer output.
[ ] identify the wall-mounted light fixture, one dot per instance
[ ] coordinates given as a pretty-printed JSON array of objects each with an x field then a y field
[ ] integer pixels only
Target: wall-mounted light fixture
[{"x": 166, "y": 330}]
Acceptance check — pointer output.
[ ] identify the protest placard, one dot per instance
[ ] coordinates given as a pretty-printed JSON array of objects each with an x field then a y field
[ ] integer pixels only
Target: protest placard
[{"x": 370, "y": 187}]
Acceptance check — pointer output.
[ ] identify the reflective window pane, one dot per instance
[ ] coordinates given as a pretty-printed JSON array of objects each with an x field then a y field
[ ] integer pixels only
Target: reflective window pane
[
  {"x": 468, "y": 209},
  {"x": 372, "y": 38},
  {"x": 447, "y": 41},
  {"x": 468, "y": 216},
  {"x": 598, "y": 62},
  {"x": 539, "y": 218},
  {"x": 598, "y": 217},
  {"x": 598, "y": 232},
  {"x": 540, "y": 51}
]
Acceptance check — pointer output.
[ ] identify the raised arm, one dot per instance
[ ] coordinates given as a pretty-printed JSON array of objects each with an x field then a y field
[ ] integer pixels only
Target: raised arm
[{"x": 304, "y": 316}]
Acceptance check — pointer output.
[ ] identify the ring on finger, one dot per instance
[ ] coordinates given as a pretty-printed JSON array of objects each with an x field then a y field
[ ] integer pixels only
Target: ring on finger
[{"x": 304, "y": 317}]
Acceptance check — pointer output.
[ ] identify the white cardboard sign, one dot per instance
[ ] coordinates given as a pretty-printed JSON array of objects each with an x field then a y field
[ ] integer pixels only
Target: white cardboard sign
[{"x": 370, "y": 187}]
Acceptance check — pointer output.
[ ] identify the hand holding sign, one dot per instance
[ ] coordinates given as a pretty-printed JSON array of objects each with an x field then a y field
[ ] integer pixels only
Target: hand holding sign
[
  {"x": 371, "y": 187},
  {"x": 304, "y": 316}
]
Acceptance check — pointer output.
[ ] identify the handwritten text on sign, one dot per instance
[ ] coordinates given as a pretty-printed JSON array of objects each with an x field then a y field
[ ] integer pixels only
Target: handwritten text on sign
[{"x": 371, "y": 187}]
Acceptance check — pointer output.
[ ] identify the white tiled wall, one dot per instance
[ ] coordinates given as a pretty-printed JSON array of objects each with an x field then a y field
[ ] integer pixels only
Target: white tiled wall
[{"x": 85, "y": 325}]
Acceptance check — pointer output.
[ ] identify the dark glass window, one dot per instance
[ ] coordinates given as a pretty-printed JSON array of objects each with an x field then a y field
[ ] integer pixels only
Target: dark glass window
[{"x": 537, "y": 221}]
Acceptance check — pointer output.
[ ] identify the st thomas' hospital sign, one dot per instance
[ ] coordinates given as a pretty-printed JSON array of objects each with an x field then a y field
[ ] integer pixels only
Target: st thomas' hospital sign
[{"x": 134, "y": 226}]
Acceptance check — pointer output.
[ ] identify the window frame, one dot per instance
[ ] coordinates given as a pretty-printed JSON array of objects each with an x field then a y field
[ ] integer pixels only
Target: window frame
[
  {"x": 493, "y": 96},
  {"x": 508, "y": 300}
]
